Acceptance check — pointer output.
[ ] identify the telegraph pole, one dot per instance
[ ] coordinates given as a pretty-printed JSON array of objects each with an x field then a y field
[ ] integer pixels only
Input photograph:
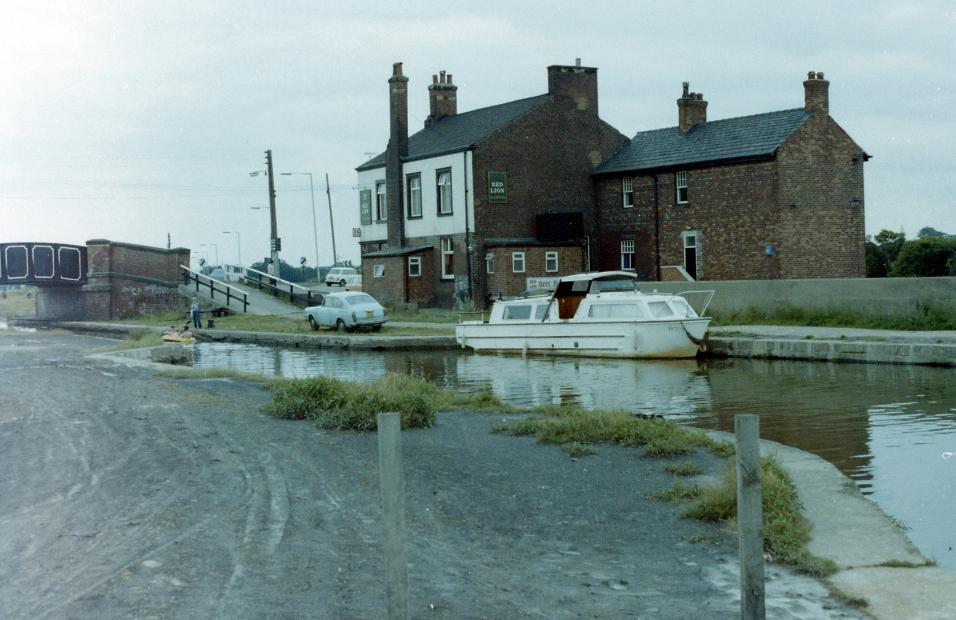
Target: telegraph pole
[
  {"x": 275, "y": 244},
  {"x": 328, "y": 194}
]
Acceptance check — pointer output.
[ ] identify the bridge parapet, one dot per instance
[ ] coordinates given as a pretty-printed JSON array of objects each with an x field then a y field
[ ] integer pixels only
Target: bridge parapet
[{"x": 43, "y": 264}]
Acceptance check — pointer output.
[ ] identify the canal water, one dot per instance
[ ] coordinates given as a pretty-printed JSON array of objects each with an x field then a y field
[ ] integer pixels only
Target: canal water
[{"x": 890, "y": 428}]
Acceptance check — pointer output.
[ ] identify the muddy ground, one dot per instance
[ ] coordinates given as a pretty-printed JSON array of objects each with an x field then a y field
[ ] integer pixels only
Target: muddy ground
[{"x": 125, "y": 495}]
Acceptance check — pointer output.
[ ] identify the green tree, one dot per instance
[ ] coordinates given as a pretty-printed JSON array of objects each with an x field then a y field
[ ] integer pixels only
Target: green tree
[
  {"x": 881, "y": 253},
  {"x": 929, "y": 231},
  {"x": 926, "y": 257}
]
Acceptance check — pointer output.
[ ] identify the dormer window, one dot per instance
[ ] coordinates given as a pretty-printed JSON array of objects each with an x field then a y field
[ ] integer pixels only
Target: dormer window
[{"x": 680, "y": 183}]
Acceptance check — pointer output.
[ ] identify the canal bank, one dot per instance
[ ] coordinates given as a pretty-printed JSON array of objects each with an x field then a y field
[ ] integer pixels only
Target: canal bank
[{"x": 877, "y": 562}]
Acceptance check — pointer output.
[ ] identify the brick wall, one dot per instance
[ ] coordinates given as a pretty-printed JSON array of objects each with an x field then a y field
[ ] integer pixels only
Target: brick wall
[
  {"x": 822, "y": 207},
  {"x": 390, "y": 288},
  {"x": 128, "y": 280},
  {"x": 505, "y": 282}
]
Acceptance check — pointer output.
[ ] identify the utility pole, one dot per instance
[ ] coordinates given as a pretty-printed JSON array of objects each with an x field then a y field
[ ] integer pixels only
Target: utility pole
[
  {"x": 275, "y": 244},
  {"x": 328, "y": 194}
]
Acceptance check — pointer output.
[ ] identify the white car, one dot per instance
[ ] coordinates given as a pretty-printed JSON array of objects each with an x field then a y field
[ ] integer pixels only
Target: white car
[
  {"x": 347, "y": 311},
  {"x": 343, "y": 276}
]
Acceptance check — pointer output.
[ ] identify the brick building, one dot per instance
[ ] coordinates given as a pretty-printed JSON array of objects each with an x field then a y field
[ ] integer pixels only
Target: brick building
[
  {"x": 774, "y": 195},
  {"x": 491, "y": 202},
  {"x": 485, "y": 202}
]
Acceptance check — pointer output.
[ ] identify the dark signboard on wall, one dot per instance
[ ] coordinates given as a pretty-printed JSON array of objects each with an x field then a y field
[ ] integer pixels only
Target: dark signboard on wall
[
  {"x": 497, "y": 186},
  {"x": 365, "y": 206}
]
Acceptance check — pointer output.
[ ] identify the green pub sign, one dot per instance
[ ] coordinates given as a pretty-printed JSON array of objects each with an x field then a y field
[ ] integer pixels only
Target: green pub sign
[
  {"x": 497, "y": 186},
  {"x": 365, "y": 206}
]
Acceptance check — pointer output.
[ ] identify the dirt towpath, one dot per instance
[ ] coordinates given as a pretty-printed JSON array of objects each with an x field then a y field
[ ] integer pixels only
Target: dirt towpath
[{"x": 123, "y": 494}]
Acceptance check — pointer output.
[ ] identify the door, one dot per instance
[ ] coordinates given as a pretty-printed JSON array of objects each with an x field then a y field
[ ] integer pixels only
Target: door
[{"x": 690, "y": 252}]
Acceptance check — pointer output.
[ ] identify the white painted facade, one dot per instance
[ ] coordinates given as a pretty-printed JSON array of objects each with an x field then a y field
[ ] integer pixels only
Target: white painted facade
[{"x": 430, "y": 224}]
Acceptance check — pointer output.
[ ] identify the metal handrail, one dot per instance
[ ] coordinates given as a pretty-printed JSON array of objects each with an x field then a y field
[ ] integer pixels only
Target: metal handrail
[
  {"x": 278, "y": 285},
  {"x": 230, "y": 292},
  {"x": 708, "y": 292}
]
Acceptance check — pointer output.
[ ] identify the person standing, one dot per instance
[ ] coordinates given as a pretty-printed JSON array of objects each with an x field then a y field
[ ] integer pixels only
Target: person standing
[{"x": 194, "y": 310}]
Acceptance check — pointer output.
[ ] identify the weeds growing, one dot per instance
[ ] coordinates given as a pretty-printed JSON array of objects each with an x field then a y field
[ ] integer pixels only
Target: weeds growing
[
  {"x": 926, "y": 318},
  {"x": 786, "y": 532}
]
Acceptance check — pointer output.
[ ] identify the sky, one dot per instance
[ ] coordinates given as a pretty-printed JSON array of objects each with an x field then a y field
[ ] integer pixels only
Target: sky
[{"x": 141, "y": 121}]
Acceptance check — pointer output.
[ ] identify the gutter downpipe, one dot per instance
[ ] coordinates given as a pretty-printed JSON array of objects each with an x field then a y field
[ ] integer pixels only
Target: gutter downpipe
[
  {"x": 657, "y": 232},
  {"x": 464, "y": 159}
]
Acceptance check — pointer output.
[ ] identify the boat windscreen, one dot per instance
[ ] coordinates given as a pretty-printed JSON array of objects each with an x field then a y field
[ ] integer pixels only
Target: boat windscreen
[{"x": 621, "y": 284}]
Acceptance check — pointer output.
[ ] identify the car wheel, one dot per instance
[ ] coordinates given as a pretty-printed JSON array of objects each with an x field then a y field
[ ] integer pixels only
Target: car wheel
[
  {"x": 342, "y": 283},
  {"x": 313, "y": 324},
  {"x": 340, "y": 326}
]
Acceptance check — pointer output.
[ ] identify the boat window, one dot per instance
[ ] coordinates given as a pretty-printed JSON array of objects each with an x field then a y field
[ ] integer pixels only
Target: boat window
[
  {"x": 579, "y": 286},
  {"x": 615, "y": 311},
  {"x": 659, "y": 309},
  {"x": 539, "y": 311},
  {"x": 517, "y": 312},
  {"x": 603, "y": 286},
  {"x": 682, "y": 308}
]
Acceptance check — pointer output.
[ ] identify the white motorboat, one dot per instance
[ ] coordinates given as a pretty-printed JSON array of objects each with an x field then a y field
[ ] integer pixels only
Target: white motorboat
[{"x": 592, "y": 314}]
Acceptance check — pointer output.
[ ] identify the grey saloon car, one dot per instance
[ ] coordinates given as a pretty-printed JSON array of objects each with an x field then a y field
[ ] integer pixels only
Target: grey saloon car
[{"x": 346, "y": 311}]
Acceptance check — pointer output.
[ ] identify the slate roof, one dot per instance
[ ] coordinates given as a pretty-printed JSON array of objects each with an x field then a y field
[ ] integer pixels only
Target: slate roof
[
  {"x": 741, "y": 138},
  {"x": 461, "y": 131}
]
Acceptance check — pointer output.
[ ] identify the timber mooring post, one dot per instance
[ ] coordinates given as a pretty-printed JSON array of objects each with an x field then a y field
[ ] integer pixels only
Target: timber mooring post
[
  {"x": 393, "y": 513},
  {"x": 749, "y": 517}
]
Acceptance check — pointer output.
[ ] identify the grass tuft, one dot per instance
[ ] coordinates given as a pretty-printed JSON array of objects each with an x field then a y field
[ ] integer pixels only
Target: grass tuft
[
  {"x": 786, "y": 532},
  {"x": 137, "y": 340},
  {"x": 342, "y": 405},
  {"x": 571, "y": 424},
  {"x": 685, "y": 468},
  {"x": 679, "y": 492}
]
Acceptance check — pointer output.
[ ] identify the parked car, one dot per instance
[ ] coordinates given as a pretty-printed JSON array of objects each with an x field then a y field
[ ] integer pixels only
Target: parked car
[
  {"x": 343, "y": 276},
  {"x": 346, "y": 311}
]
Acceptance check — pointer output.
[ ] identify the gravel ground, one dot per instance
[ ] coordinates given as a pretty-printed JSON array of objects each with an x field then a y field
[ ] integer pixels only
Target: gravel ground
[{"x": 123, "y": 494}]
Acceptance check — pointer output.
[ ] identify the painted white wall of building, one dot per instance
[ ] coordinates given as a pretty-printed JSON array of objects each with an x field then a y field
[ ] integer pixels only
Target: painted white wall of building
[{"x": 366, "y": 180}]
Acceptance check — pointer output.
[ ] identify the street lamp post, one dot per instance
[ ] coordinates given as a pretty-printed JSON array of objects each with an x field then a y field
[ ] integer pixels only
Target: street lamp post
[
  {"x": 215, "y": 250},
  {"x": 315, "y": 226},
  {"x": 238, "y": 246}
]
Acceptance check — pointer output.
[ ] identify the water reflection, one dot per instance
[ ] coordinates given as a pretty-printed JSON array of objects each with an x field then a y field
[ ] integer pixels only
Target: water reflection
[{"x": 884, "y": 426}]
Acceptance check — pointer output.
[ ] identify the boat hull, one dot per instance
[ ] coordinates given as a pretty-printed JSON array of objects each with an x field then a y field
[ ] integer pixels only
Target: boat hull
[{"x": 625, "y": 339}]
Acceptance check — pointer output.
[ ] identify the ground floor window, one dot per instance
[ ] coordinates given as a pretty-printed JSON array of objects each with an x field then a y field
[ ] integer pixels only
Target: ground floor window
[
  {"x": 627, "y": 255},
  {"x": 414, "y": 266},
  {"x": 517, "y": 262},
  {"x": 447, "y": 259},
  {"x": 551, "y": 262},
  {"x": 378, "y": 271},
  {"x": 489, "y": 263}
]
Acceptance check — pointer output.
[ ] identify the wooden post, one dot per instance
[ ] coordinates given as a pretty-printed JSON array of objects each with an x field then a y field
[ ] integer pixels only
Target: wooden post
[
  {"x": 749, "y": 517},
  {"x": 393, "y": 513}
]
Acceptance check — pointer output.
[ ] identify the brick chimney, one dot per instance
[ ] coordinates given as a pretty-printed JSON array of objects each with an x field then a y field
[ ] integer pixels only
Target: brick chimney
[
  {"x": 577, "y": 83},
  {"x": 816, "y": 93},
  {"x": 442, "y": 98},
  {"x": 691, "y": 109},
  {"x": 395, "y": 152}
]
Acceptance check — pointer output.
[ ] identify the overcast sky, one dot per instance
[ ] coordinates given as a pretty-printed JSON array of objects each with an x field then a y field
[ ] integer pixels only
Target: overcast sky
[{"x": 131, "y": 120}]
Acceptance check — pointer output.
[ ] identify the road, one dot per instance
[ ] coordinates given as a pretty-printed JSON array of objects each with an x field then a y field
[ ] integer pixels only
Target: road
[{"x": 124, "y": 494}]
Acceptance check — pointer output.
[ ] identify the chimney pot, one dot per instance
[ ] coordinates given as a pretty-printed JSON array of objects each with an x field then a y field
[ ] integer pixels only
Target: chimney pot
[
  {"x": 449, "y": 78},
  {"x": 577, "y": 62},
  {"x": 397, "y": 68},
  {"x": 434, "y": 78},
  {"x": 819, "y": 75},
  {"x": 686, "y": 86},
  {"x": 811, "y": 75}
]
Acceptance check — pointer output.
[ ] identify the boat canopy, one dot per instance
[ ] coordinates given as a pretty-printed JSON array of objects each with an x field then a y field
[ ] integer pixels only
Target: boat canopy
[{"x": 600, "y": 275}]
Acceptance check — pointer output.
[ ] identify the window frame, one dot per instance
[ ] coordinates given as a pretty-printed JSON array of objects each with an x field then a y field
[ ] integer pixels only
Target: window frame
[
  {"x": 378, "y": 270},
  {"x": 515, "y": 257},
  {"x": 681, "y": 194},
  {"x": 627, "y": 192},
  {"x": 416, "y": 176},
  {"x": 627, "y": 243},
  {"x": 440, "y": 198},
  {"x": 447, "y": 254},
  {"x": 417, "y": 261},
  {"x": 381, "y": 201},
  {"x": 548, "y": 256},
  {"x": 489, "y": 263}
]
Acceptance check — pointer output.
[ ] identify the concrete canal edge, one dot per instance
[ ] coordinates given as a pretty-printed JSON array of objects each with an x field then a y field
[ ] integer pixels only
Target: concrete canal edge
[{"x": 877, "y": 562}]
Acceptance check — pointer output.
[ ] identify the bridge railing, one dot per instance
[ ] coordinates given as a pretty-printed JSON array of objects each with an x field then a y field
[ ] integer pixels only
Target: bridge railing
[
  {"x": 295, "y": 292},
  {"x": 191, "y": 277}
]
